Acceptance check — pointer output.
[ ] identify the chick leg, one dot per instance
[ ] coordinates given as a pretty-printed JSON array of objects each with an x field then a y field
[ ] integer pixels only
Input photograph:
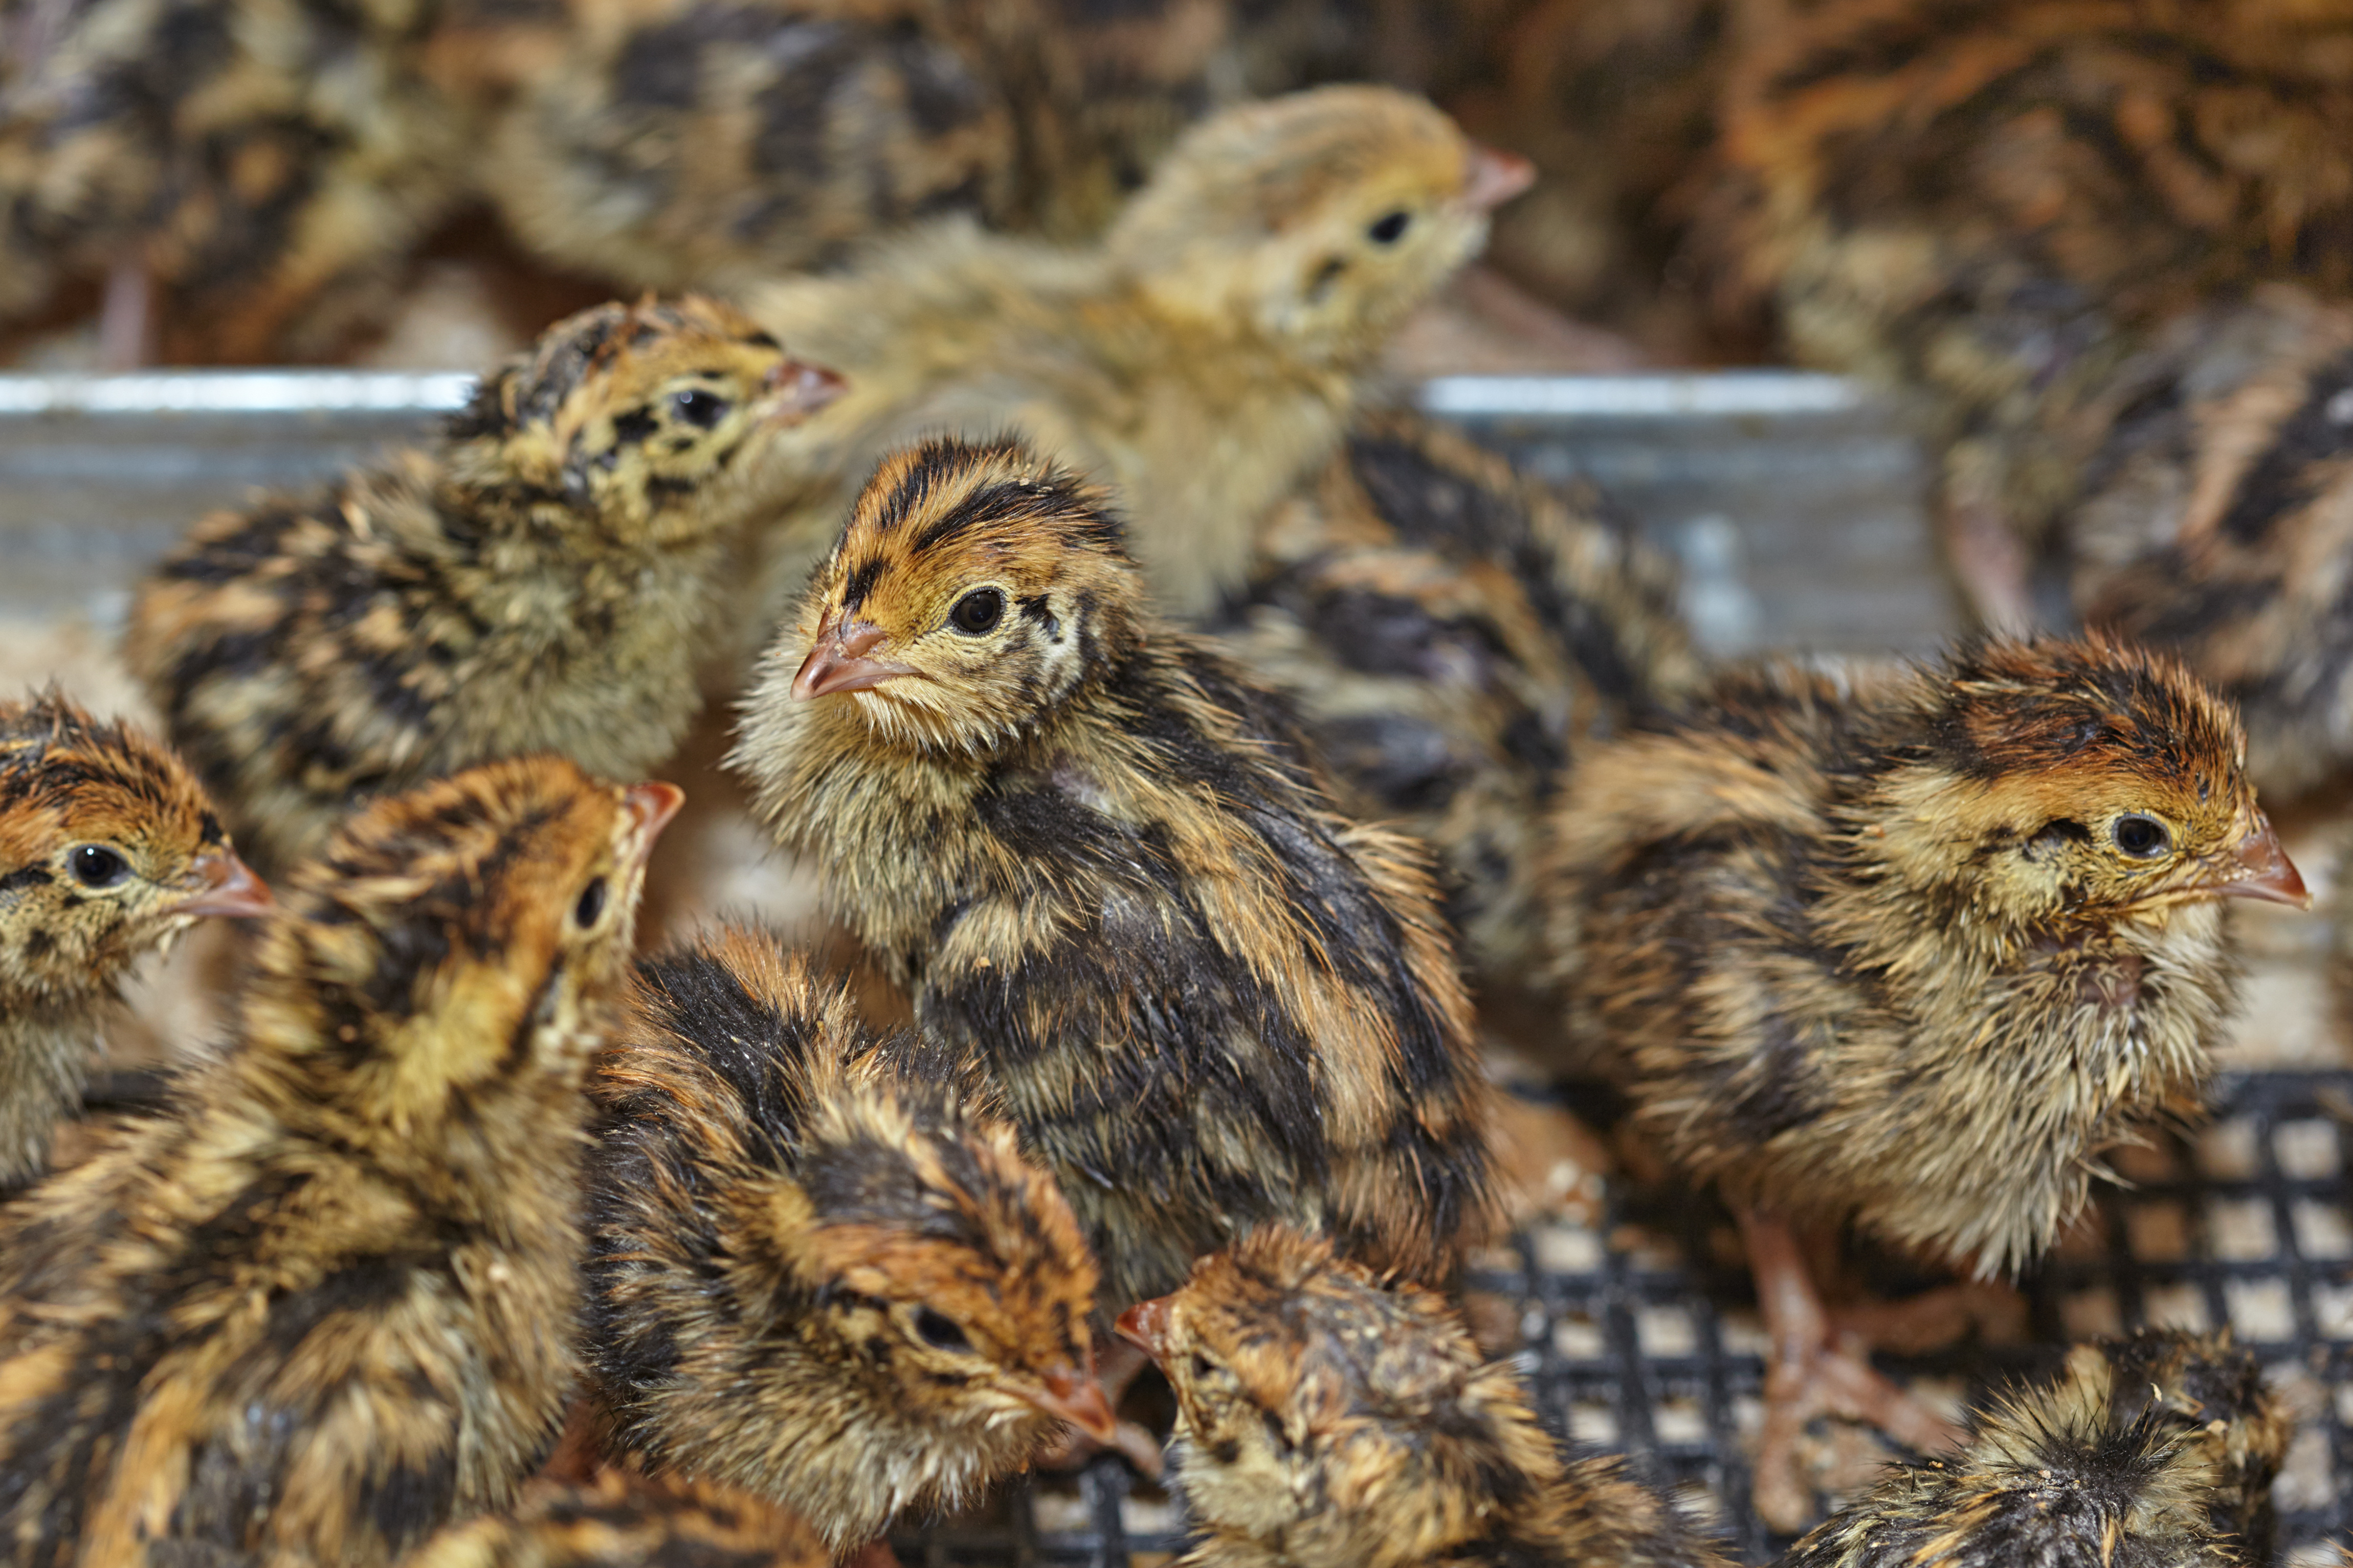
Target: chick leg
[
  {"x": 126, "y": 321},
  {"x": 1814, "y": 1372}
]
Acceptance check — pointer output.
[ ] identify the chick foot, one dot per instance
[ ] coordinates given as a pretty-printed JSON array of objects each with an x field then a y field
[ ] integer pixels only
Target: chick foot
[
  {"x": 1816, "y": 1371},
  {"x": 1116, "y": 1365}
]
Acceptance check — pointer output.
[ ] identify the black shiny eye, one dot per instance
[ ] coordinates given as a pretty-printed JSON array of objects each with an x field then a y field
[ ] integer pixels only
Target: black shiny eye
[
  {"x": 977, "y": 612},
  {"x": 2142, "y": 838},
  {"x": 940, "y": 1332},
  {"x": 591, "y": 904},
  {"x": 699, "y": 407},
  {"x": 96, "y": 866},
  {"x": 1389, "y": 227}
]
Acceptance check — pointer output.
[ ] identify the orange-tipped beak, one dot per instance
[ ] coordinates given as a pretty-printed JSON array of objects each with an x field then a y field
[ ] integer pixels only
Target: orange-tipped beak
[
  {"x": 806, "y": 388},
  {"x": 230, "y": 888},
  {"x": 651, "y": 806},
  {"x": 2261, "y": 870},
  {"x": 1145, "y": 1326},
  {"x": 1495, "y": 178},
  {"x": 1078, "y": 1398},
  {"x": 838, "y": 662}
]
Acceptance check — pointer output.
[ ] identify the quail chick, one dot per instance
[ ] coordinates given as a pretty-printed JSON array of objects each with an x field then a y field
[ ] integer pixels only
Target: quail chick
[
  {"x": 1453, "y": 633},
  {"x": 619, "y": 1517},
  {"x": 2156, "y": 1449},
  {"x": 820, "y": 1269},
  {"x": 1100, "y": 861},
  {"x": 322, "y": 1303},
  {"x": 1905, "y": 950},
  {"x": 108, "y": 849},
  {"x": 1327, "y": 1417},
  {"x": 1205, "y": 357},
  {"x": 545, "y": 581}
]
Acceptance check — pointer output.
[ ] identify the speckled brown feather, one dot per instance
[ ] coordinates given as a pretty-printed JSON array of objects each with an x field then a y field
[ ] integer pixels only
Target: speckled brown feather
[
  {"x": 1866, "y": 947},
  {"x": 322, "y": 1302},
  {"x": 2159, "y": 1449},
  {"x": 1330, "y": 1418},
  {"x": 546, "y": 580},
  {"x": 820, "y": 1267},
  {"x": 1097, "y": 855},
  {"x": 620, "y": 1517}
]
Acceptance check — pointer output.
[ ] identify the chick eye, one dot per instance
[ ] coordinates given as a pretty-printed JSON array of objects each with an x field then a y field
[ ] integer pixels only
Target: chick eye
[
  {"x": 696, "y": 406},
  {"x": 977, "y": 612},
  {"x": 940, "y": 1332},
  {"x": 2142, "y": 838},
  {"x": 96, "y": 866},
  {"x": 591, "y": 904},
  {"x": 1389, "y": 227}
]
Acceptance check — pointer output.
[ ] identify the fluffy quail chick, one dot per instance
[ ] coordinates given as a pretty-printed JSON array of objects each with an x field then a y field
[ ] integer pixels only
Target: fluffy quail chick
[
  {"x": 819, "y": 1269},
  {"x": 1327, "y": 1417},
  {"x": 108, "y": 849},
  {"x": 1097, "y": 858},
  {"x": 620, "y": 1517},
  {"x": 544, "y": 581},
  {"x": 2156, "y": 1450},
  {"x": 1906, "y": 950},
  {"x": 1205, "y": 357},
  {"x": 322, "y": 1303}
]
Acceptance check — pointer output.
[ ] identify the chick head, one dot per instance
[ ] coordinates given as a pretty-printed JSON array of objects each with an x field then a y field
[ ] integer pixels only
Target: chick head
[
  {"x": 652, "y": 420},
  {"x": 1331, "y": 1416},
  {"x": 2071, "y": 780},
  {"x": 975, "y": 588},
  {"x": 109, "y": 847},
  {"x": 468, "y": 933},
  {"x": 1322, "y": 217}
]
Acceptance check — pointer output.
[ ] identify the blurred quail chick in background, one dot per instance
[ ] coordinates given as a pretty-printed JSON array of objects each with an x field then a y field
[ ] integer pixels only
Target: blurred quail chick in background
[
  {"x": 1328, "y": 1418},
  {"x": 1904, "y": 951},
  {"x": 2156, "y": 1450},
  {"x": 1205, "y": 357},
  {"x": 1453, "y": 634},
  {"x": 820, "y": 1267},
  {"x": 1097, "y": 857},
  {"x": 109, "y": 850},
  {"x": 323, "y": 1303},
  {"x": 545, "y": 581},
  {"x": 619, "y": 1517}
]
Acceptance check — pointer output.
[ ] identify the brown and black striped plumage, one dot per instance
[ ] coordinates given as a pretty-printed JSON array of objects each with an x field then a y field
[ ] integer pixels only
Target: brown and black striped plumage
[
  {"x": 545, "y": 581},
  {"x": 2156, "y": 1451},
  {"x": 819, "y": 1269},
  {"x": 108, "y": 849},
  {"x": 620, "y": 1517},
  {"x": 1097, "y": 855},
  {"x": 322, "y": 1303},
  {"x": 1327, "y": 1417}
]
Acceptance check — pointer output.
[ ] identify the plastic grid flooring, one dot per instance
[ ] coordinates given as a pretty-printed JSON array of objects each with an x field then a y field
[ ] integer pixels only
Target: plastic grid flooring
[{"x": 1631, "y": 1344}]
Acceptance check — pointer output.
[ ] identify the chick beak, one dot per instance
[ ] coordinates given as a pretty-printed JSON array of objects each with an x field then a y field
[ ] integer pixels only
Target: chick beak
[
  {"x": 651, "y": 806},
  {"x": 800, "y": 390},
  {"x": 1145, "y": 1326},
  {"x": 838, "y": 662},
  {"x": 1077, "y": 1398},
  {"x": 1495, "y": 178},
  {"x": 2260, "y": 868},
  {"x": 229, "y": 887}
]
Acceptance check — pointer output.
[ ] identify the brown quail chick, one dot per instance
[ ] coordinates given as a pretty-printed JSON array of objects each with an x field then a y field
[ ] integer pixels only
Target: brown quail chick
[
  {"x": 620, "y": 1517},
  {"x": 322, "y": 1302},
  {"x": 546, "y": 580},
  {"x": 2159, "y": 1449},
  {"x": 1904, "y": 951},
  {"x": 819, "y": 1269},
  {"x": 1206, "y": 357},
  {"x": 1327, "y": 1417},
  {"x": 1453, "y": 633},
  {"x": 108, "y": 849},
  {"x": 1098, "y": 859}
]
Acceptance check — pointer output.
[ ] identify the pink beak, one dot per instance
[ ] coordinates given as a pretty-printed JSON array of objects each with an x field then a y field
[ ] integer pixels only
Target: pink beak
[
  {"x": 806, "y": 388},
  {"x": 1494, "y": 178},
  {"x": 838, "y": 662},
  {"x": 1075, "y": 1396},
  {"x": 651, "y": 806},
  {"x": 2263, "y": 871},
  {"x": 1145, "y": 1326},
  {"x": 230, "y": 888}
]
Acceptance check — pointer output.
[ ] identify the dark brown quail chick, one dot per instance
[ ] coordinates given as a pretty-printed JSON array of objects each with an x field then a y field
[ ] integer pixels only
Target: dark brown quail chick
[
  {"x": 545, "y": 581},
  {"x": 819, "y": 1269},
  {"x": 619, "y": 1517},
  {"x": 1905, "y": 950},
  {"x": 1327, "y": 1417},
  {"x": 1099, "y": 859},
  {"x": 2159, "y": 1449},
  {"x": 322, "y": 1303},
  {"x": 108, "y": 849}
]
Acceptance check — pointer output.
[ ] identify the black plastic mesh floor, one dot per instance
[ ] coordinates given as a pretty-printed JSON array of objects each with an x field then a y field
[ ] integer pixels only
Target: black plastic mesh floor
[{"x": 1637, "y": 1335}]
